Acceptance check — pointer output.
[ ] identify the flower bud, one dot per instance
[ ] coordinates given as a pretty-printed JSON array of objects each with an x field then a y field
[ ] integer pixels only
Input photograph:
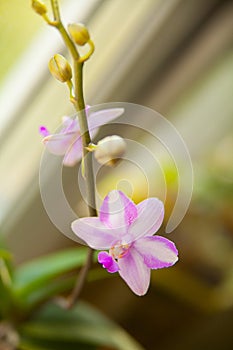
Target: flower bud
[
  {"x": 109, "y": 150},
  {"x": 79, "y": 33},
  {"x": 39, "y": 7},
  {"x": 60, "y": 68}
]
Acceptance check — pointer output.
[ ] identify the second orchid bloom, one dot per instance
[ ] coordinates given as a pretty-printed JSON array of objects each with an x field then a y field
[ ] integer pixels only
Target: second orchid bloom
[{"x": 67, "y": 142}]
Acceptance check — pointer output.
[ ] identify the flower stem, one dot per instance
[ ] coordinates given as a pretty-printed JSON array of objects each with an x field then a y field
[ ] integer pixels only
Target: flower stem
[
  {"x": 56, "y": 12},
  {"x": 81, "y": 280},
  {"x": 79, "y": 104},
  {"x": 86, "y": 139}
]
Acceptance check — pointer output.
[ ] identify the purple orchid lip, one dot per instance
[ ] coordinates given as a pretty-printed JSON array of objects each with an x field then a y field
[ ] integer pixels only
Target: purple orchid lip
[
  {"x": 68, "y": 141},
  {"x": 108, "y": 262},
  {"x": 127, "y": 231}
]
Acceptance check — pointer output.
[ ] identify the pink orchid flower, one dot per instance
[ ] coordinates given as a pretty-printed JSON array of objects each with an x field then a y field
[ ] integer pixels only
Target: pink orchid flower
[
  {"x": 126, "y": 230},
  {"x": 68, "y": 141}
]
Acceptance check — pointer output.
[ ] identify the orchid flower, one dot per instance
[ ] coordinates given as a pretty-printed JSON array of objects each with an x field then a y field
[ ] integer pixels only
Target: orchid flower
[
  {"x": 68, "y": 140},
  {"x": 126, "y": 230}
]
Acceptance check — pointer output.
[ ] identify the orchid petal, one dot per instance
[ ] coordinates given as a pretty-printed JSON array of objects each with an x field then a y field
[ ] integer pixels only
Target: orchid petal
[
  {"x": 134, "y": 272},
  {"x": 118, "y": 211},
  {"x": 59, "y": 143},
  {"x": 104, "y": 116},
  {"x": 108, "y": 262},
  {"x": 150, "y": 217},
  {"x": 94, "y": 233},
  {"x": 157, "y": 251},
  {"x": 69, "y": 125},
  {"x": 74, "y": 153}
]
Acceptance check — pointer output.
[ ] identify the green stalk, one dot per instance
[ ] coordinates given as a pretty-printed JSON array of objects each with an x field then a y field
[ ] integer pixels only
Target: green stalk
[{"x": 85, "y": 134}]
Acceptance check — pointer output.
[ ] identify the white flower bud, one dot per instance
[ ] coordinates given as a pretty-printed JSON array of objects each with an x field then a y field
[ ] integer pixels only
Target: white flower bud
[{"x": 109, "y": 150}]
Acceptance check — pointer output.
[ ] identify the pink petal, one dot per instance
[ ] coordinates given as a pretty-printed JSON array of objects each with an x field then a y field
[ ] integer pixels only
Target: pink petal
[
  {"x": 118, "y": 211},
  {"x": 108, "y": 262},
  {"x": 157, "y": 251},
  {"x": 59, "y": 143},
  {"x": 74, "y": 153},
  {"x": 95, "y": 233},
  {"x": 149, "y": 220},
  {"x": 134, "y": 272},
  {"x": 69, "y": 125},
  {"x": 104, "y": 116}
]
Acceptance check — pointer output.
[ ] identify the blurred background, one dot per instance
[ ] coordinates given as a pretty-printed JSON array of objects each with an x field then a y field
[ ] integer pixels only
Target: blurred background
[{"x": 176, "y": 57}]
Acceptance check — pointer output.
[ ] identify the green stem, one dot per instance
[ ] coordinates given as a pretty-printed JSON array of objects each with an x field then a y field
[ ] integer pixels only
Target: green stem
[
  {"x": 85, "y": 134},
  {"x": 80, "y": 107},
  {"x": 81, "y": 280},
  {"x": 56, "y": 12},
  {"x": 86, "y": 139},
  {"x": 68, "y": 42}
]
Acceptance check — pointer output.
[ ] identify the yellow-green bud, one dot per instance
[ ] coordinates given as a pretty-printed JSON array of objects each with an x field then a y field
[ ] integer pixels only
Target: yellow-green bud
[
  {"x": 109, "y": 150},
  {"x": 60, "y": 68},
  {"x": 39, "y": 7},
  {"x": 79, "y": 33}
]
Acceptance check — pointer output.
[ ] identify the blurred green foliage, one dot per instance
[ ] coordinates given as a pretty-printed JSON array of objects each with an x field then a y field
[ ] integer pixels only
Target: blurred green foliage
[{"x": 36, "y": 284}]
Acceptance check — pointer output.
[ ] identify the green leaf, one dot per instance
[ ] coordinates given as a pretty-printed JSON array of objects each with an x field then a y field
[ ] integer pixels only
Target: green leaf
[
  {"x": 5, "y": 254},
  {"x": 38, "y": 273},
  {"x": 6, "y": 295},
  {"x": 32, "y": 344},
  {"x": 46, "y": 292},
  {"x": 83, "y": 324},
  {"x": 49, "y": 276},
  {"x": 62, "y": 285}
]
